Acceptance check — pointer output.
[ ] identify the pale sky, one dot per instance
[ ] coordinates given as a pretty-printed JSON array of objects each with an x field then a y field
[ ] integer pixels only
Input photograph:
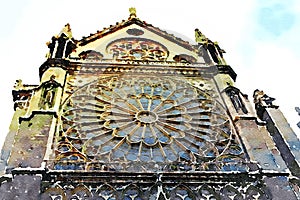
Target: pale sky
[{"x": 261, "y": 39}]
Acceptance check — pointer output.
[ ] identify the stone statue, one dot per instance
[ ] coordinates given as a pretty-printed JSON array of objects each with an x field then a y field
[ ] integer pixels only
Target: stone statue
[
  {"x": 199, "y": 37},
  {"x": 262, "y": 101},
  {"x": 220, "y": 53},
  {"x": 48, "y": 93},
  {"x": 259, "y": 97},
  {"x": 202, "y": 42}
]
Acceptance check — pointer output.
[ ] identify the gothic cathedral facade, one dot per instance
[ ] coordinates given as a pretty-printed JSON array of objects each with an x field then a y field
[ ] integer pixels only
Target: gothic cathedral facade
[{"x": 133, "y": 112}]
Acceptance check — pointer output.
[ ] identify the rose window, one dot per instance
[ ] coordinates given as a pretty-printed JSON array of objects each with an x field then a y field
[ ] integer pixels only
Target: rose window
[
  {"x": 137, "y": 49},
  {"x": 145, "y": 120}
]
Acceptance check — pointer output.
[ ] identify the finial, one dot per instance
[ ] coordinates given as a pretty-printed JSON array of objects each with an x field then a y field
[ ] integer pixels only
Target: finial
[{"x": 132, "y": 12}]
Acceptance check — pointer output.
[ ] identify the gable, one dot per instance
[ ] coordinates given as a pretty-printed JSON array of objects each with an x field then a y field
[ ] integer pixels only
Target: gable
[{"x": 135, "y": 42}]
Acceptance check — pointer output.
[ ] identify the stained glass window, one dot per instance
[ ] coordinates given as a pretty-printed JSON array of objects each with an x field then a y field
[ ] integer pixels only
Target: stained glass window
[{"x": 145, "y": 123}]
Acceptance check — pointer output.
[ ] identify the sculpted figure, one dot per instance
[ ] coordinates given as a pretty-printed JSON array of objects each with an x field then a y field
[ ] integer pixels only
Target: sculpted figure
[
  {"x": 262, "y": 101},
  {"x": 48, "y": 93}
]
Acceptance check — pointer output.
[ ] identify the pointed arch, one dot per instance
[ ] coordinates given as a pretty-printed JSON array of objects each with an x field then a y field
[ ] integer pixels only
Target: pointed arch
[
  {"x": 132, "y": 192},
  {"x": 56, "y": 193},
  {"x": 106, "y": 192},
  {"x": 208, "y": 192},
  {"x": 158, "y": 192},
  {"x": 253, "y": 192},
  {"x": 81, "y": 192},
  {"x": 229, "y": 192},
  {"x": 182, "y": 192}
]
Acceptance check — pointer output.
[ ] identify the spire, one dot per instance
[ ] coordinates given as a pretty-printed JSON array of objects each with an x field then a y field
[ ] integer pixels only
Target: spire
[{"x": 132, "y": 12}]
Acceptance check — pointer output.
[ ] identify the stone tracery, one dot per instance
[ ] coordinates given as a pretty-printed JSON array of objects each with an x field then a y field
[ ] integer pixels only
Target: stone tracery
[
  {"x": 137, "y": 49},
  {"x": 157, "y": 191},
  {"x": 146, "y": 120}
]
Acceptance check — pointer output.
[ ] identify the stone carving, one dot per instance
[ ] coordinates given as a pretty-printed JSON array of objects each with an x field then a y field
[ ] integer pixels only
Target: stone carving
[
  {"x": 91, "y": 55},
  {"x": 21, "y": 95},
  {"x": 137, "y": 49},
  {"x": 51, "y": 45},
  {"x": 262, "y": 101},
  {"x": 220, "y": 53},
  {"x": 18, "y": 84},
  {"x": 199, "y": 37},
  {"x": 158, "y": 190},
  {"x": 48, "y": 93},
  {"x": 132, "y": 12},
  {"x": 146, "y": 123},
  {"x": 135, "y": 31},
  {"x": 184, "y": 58}
]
